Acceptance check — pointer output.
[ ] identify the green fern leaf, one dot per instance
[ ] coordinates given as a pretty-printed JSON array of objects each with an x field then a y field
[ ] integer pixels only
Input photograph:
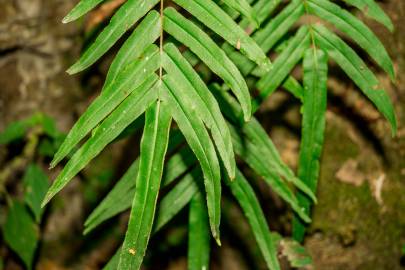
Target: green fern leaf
[
  {"x": 204, "y": 103},
  {"x": 83, "y": 7},
  {"x": 251, "y": 143},
  {"x": 153, "y": 149},
  {"x": 177, "y": 199},
  {"x": 208, "y": 51},
  {"x": 147, "y": 32},
  {"x": 122, "y": 87},
  {"x": 198, "y": 235},
  {"x": 372, "y": 10},
  {"x": 251, "y": 154},
  {"x": 108, "y": 130},
  {"x": 178, "y": 164},
  {"x": 270, "y": 34},
  {"x": 258, "y": 137},
  {"x": 218, "y": 21},
  {"x": 263, "y": 9},
  {"x": 246, "y": 198},
  {"x": 357, "y": 70},
  {"x": 126, "y": 16},
  {"x": 294, "y": 87},
  {"x": 200, "y": 142},
  {"x": 243, "y": 7},
  {"x": 117, "y": 200},
  {"x": 313, "y": 127},
  {"x": 283, "y": 65},
  {"x": 355, "y": 29}
]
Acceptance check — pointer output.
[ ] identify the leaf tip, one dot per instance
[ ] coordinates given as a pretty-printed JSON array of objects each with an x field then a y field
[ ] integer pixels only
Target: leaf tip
[
  {"x": 73, "y": 69},
  {"x": 266, "y": 64},
  {"x": 54, "y": 162},
  {"x": 392, "y": 74},
  {"x": 86, "y": 231},
  {"x": 256, "y": 23},
  {"x": 314, "y": 199},
  {"x": 390, "y": 26},
  {"x": 70, "y": 71},
  {"x": 46, "y": 200},
  {"x": 218, "y": 241},
  {"x": 311, "y": 195},
  {"x": 392, "y": 120},
  {"x": 394, "y": 128},
  {"x": 66, "y": 19},
  {"x": 306, "y": 218}
]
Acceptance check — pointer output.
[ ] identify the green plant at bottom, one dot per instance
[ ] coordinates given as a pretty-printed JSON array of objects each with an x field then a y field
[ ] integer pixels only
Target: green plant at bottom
[{"x": 23, "y": 213}]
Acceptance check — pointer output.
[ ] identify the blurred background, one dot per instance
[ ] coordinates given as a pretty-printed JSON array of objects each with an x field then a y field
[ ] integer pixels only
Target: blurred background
[{"x": 359, "y": 222}]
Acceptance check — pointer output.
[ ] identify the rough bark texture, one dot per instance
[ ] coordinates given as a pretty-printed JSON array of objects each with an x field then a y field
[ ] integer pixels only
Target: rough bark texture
[
  {"x": 359, "y": 222},
  {"x": 35, "y": 49}
]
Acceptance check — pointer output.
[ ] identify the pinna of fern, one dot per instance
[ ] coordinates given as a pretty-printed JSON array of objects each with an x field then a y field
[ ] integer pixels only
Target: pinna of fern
[{"x": 158, "y": 79}]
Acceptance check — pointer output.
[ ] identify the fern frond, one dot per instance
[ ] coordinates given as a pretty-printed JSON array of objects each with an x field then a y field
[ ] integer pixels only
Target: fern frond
[
  {"x": 193, "y": 111},
  {"x": 209, "y": 118},
  {"x": 320, "y": 37}
]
